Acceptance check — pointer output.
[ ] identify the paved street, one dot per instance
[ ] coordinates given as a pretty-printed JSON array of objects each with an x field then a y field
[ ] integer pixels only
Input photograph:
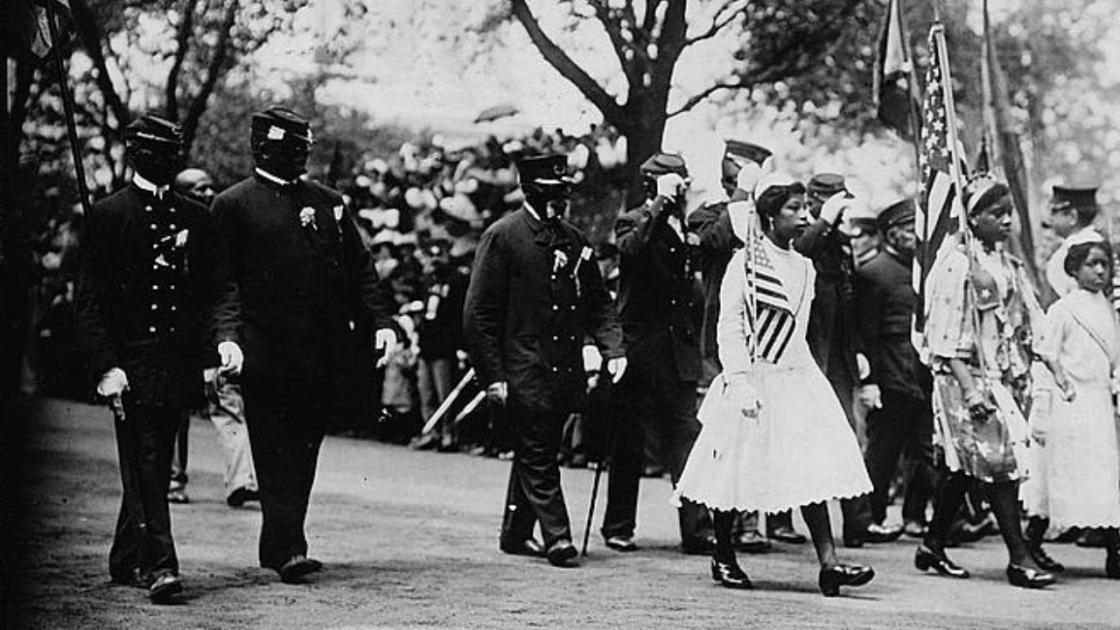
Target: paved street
[{"x": 409, "y": 540}]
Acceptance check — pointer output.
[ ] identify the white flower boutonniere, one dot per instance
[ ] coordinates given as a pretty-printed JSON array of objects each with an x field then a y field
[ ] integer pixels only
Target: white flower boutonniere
[{"x": 307, "y": 217}]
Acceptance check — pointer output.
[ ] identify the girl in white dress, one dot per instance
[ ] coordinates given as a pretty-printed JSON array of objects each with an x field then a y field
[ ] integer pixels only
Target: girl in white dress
[
  {"x": 774, "y": 435},
  {"x": 1078, "y": 482}
]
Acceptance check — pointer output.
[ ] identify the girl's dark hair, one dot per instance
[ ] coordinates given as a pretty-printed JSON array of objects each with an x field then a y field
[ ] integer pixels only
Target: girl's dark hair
[
  {"x": 1080, "y": 252},
  {"x": 770, "y": 202}
]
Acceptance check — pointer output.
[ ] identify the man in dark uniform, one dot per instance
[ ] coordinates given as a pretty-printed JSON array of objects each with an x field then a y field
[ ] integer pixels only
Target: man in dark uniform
[
  {"x": 662, "y": 337},
  {"x": 294, "y": 282},
  {"x": 721, "y": 234},
  {"x": 897, "y": 388},
  {"x": 831, "y": 330},
  {"x": 140, "y": 322},
  {"x": 535, "y": 294}
]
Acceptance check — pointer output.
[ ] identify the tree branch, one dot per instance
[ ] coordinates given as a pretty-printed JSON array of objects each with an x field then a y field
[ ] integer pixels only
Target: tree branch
[
  {"x": 695, "y": 99},
  {"x": 569, "y": 69},
  {"x": 214, "y": 72},
  {"x": 182, "y": 45},
  {"x": 670, "y": 45},
  {"x": 649, "y": 20},
  {"x": 613, "y": 27},
  {"x": 718, "y": 23},
  {"x": 90, "y": 32}
]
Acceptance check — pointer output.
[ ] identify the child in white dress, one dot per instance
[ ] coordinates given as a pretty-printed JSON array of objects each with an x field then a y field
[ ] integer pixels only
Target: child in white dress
[
  {"x": 774, "y": 435},
  {"x": 1078, "y": 482}
]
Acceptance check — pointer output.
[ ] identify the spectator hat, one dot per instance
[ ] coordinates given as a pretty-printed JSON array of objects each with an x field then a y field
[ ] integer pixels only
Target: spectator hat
[{"x": 661, "y": 163}]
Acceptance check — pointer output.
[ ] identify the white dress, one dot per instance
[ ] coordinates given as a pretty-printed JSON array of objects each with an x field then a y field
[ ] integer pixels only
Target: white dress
[
  {"x": 800, "y": 449},
  {"x": 1076, "y": 479}
]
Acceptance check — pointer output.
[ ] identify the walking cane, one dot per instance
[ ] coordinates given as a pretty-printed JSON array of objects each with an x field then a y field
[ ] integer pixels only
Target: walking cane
[
  {"x": 447, "y": 402},
  {"x": 600, "y": 466},
  {"x": 128, "y": 454}
]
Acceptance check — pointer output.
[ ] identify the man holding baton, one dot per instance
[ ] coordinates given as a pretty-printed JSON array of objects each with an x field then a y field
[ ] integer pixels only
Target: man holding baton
[
  {"x": 535, "y": 294},
  {"x": 140, "y": 323}
]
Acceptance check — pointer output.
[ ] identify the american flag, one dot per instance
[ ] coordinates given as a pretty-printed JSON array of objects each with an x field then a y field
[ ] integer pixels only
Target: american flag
[
  {"x": 771, "y": 319},
  {"x": 938, "y": 212}
]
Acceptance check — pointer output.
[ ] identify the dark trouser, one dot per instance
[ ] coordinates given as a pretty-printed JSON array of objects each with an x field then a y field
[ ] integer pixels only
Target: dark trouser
[
  {"x": 285, "y": 433},
  {"x": 435, "y": 380},
  {"x": 143, "y": 537},
  {"x": 665, "y": 410},
  {"x": 534, "y": 493},
  {"x": 903, "y": 425},
  {"x": 856, "y": 512}
]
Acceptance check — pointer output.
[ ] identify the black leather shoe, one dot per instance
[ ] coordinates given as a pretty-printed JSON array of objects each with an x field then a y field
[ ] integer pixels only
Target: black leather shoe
[
  {"x": 563, "y": 554},
  {"x": 877, "y": 533},
  {"x": 1043, "y": 559},
  {"x": 240, "y": 496},
  {"x": 164, "y": 587},
  {"x": 529, "y": 547},
  {"x": 752, "y": 541},
  {"x": 786, "y": 534},
  {"x": 1092, "y": 538},
  {"x": 698, "y": 546},
  {"x": 853, "y": 542},
  {"x": 621, "y": 543},
  {"x": 296, "y": 568},
  {"x": 730, "y": 574},
  {"x": 832, "y": 578},
  {"x": 1026, "y": 577},
  {"x": 926, "y": 558},
  {"x": 178, "y": 495}
]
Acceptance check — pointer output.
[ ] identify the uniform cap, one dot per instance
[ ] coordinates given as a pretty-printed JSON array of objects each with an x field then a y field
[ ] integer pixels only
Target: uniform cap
[
  {"x": 745, "y": 150},
  {"x": 660, "y": 164},
  {"x": 898, "y": 213},
  {"x": 280, "y": 123},
  {"x": 825, "y": 184},
  {"x": 152, "y": 129},
  {"x": 544, "y": 169},
  {"x": 1081, "y": 196}
]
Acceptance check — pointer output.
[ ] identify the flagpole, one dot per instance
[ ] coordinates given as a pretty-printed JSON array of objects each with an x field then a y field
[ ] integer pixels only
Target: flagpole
[{"x": 68, "y": 109}]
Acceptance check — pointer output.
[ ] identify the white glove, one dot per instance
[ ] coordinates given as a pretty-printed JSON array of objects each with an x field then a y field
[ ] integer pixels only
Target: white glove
[
  {"x": 114, "y": 382},
  {"x": 743, "y": 392},
  {"x": 871, "y": 396},
  {"x": 863, "y": 366},
  {"x": 498, "y": 392},
  {"x": 670, "y": 185},
  {"x": 616, "y": 367},
  {"x": 232, "y": 358},
  {"x": 749, "y": 176},
  {"x": 385, "y": 341},
  {"x": 210, "y": 375},
  {"x": 835, "y": 206}
]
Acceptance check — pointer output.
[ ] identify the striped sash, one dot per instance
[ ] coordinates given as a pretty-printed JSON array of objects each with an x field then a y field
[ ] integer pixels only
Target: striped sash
[{"x": 772, "y": 321}]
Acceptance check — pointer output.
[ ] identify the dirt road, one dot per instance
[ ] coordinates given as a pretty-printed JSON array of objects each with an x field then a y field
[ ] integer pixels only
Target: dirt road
[{"x": 410, "y": 539}]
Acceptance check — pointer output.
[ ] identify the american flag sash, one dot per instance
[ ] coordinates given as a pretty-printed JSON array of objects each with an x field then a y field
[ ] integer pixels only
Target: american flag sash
[{"x": 772, "y": 321}]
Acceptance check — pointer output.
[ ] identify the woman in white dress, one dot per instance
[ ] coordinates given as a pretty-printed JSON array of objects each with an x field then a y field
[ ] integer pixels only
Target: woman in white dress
[
  {"x": 774, "y": 435},
  {"x": 1078, "y": 481}
]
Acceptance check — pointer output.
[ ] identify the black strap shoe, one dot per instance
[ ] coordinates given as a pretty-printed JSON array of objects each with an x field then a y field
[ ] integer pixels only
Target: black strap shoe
[
  {"x": 926, "y": 558},
  {"x": 1027, "y": 577},
  {"x": 832, "y": 578},
  {"x": 298, "y": 566},
  {"x": 730, "y": 574}
]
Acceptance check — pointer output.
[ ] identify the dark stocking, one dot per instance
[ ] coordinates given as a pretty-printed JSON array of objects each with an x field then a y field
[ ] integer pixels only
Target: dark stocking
[
  {"x": 722, "y": 523},
  {"x": 950, "y": 498},
  {"x": 1004, "y": 497},
  {"x": 820, "y": 528}
]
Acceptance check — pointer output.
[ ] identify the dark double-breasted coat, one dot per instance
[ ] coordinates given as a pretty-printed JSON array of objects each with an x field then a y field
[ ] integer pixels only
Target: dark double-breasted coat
[
  {"x": 535, "y": 295},
  {"x": 662, "y": 332},
  {"x": 140, "y": 303},
  {"x": 528, "y": 310},
  {"x": 294, "y": 282},
  {"x": 885, "y": 303}
]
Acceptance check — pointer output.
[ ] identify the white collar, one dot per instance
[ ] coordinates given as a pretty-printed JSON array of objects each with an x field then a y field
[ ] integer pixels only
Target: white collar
[
  {"x": 148, "y": 186},
  {"x": 531, "y": 211},
  {"x": 272, "y": 178}
]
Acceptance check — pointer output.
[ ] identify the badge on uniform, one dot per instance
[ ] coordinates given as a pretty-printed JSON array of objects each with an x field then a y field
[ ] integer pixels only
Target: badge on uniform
[
  {"x": 307, "y": 217},
  {"x": 168, "y": 246}
]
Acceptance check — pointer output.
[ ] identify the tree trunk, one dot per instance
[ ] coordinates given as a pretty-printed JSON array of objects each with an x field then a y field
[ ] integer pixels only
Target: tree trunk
[{"x": 644, "y": 128}]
